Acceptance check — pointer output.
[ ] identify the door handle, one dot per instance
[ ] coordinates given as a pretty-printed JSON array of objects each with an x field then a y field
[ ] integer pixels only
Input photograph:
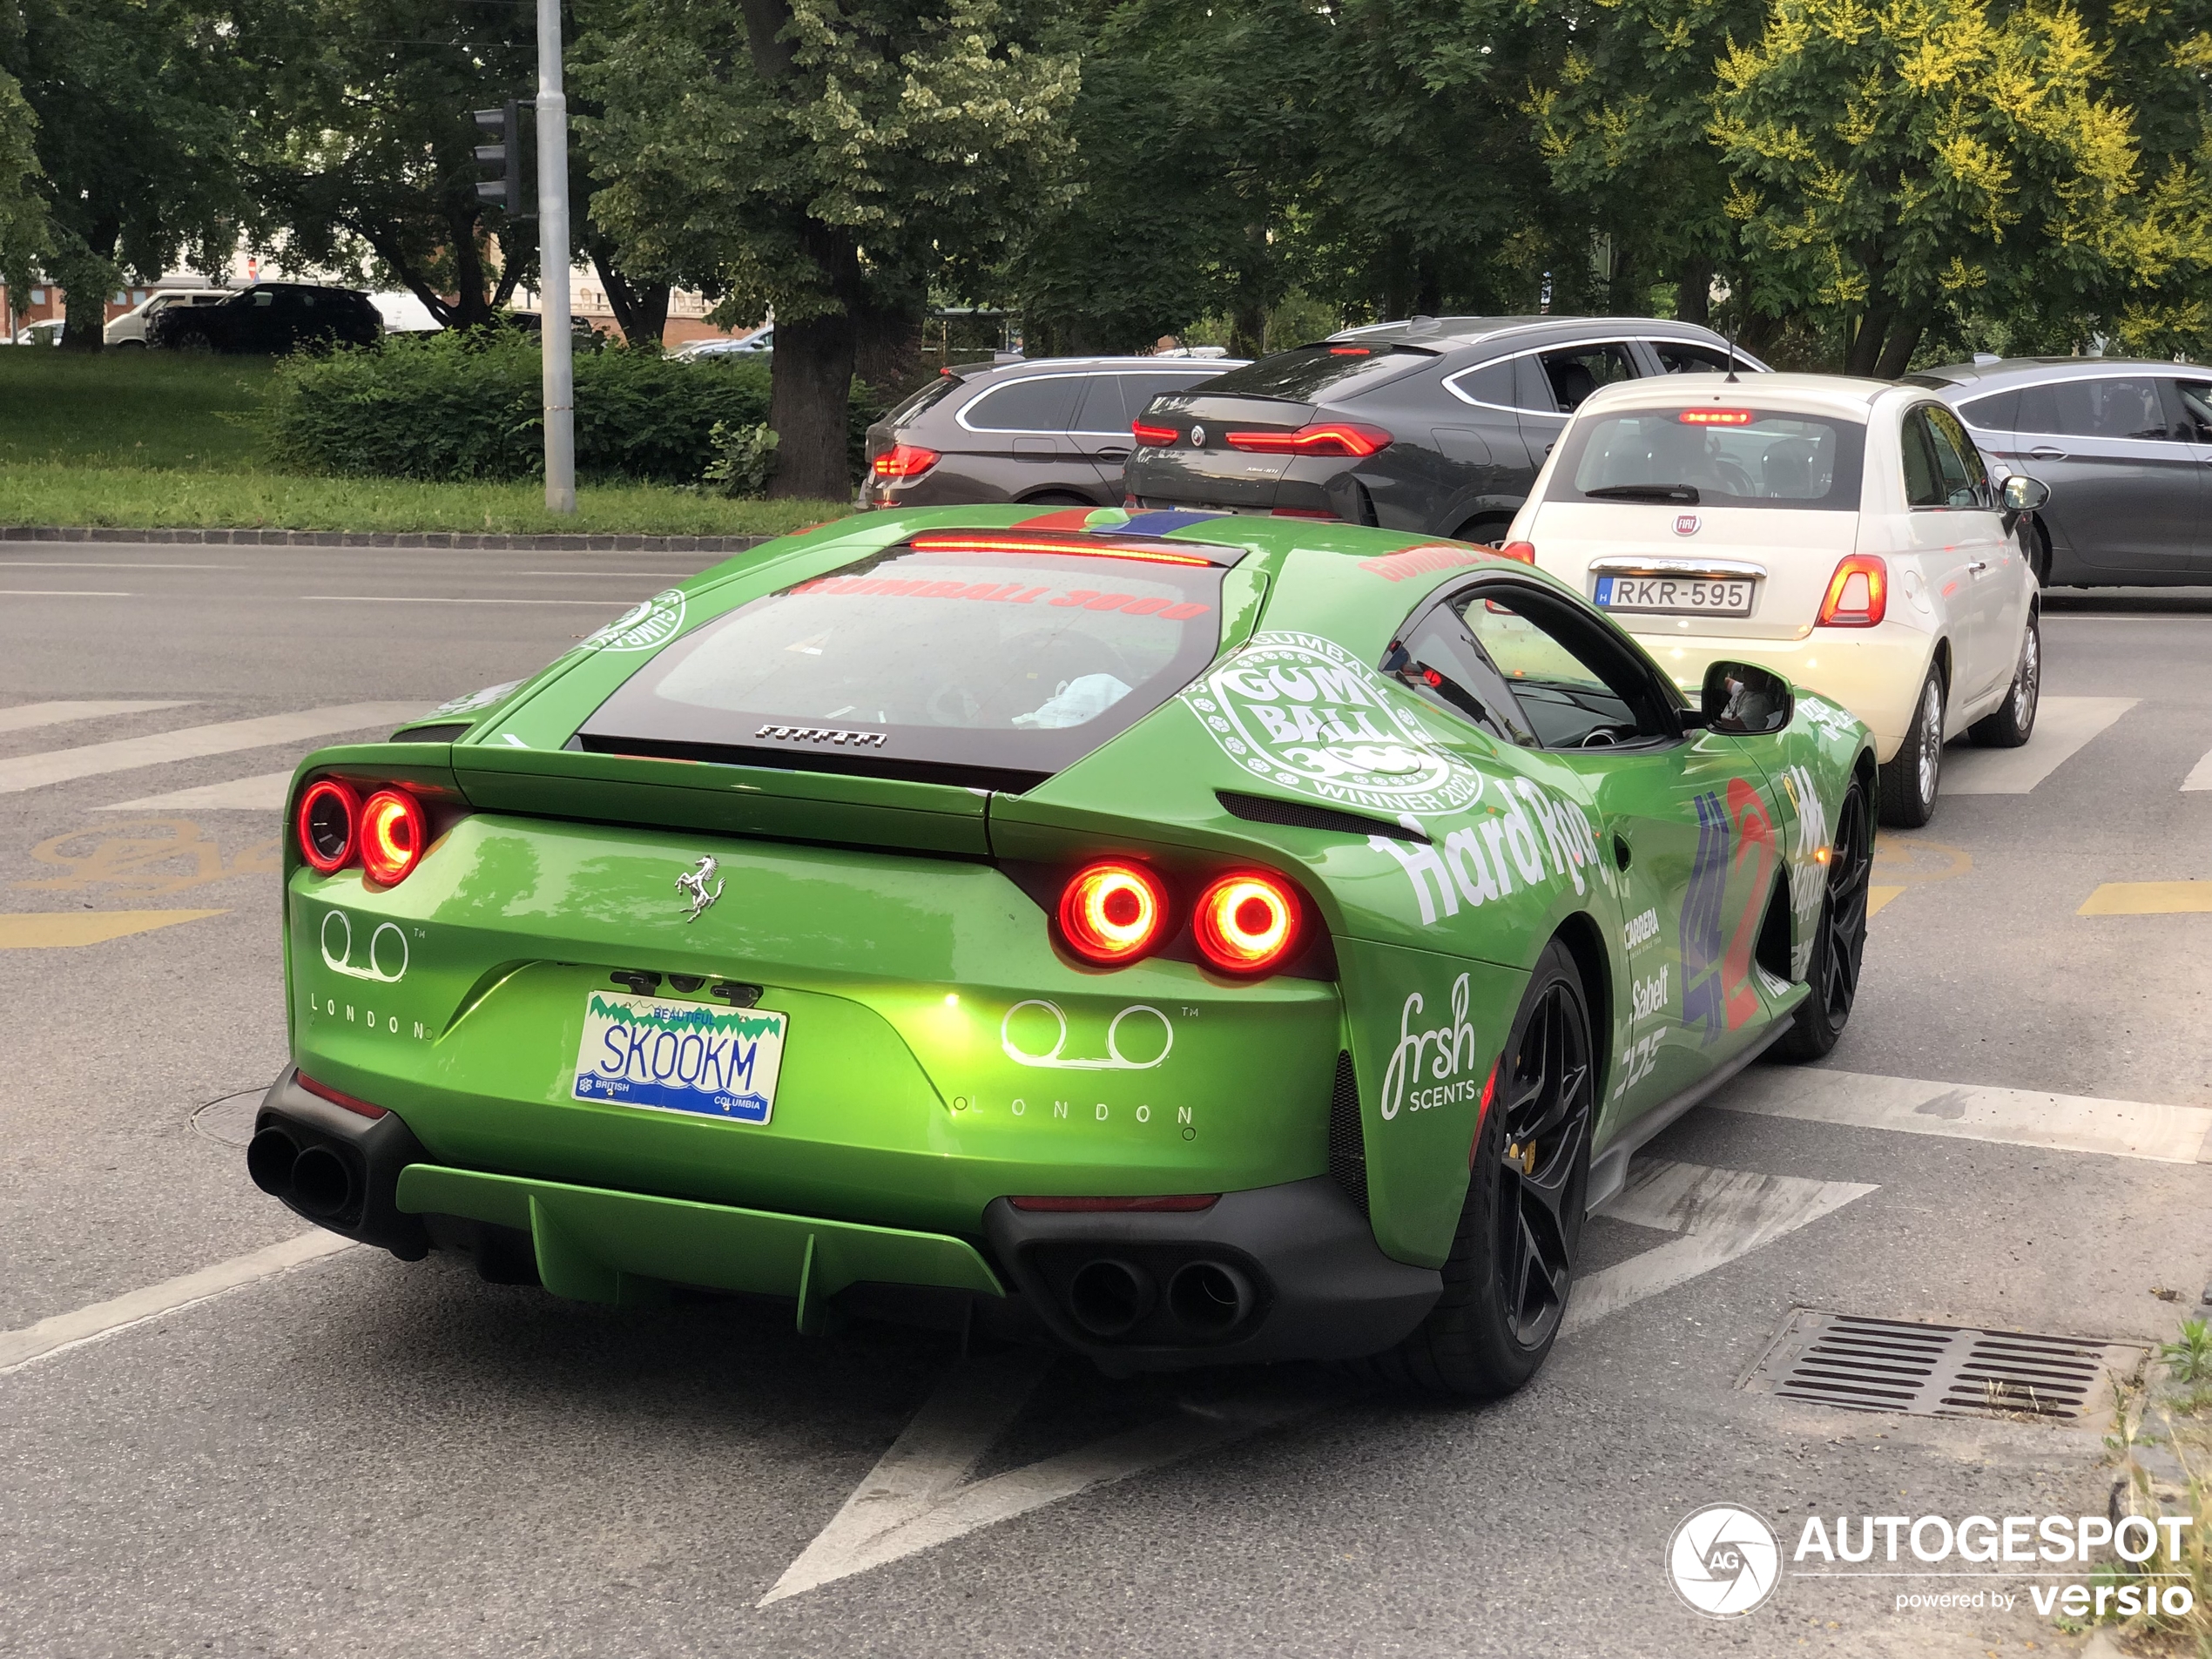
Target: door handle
[
  {"x": 2044, "y": 452},
  {"x": 1978, "y": 566},
  {"x": 1113, "y": 455}
]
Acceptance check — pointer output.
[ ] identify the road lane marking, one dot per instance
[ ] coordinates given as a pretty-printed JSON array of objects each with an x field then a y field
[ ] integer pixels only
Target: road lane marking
[
  {"x": 263, "y": 793},
  {"x": 73, "y": 1330},
  {"x": 1720, "y": 1214},
  {"x": 441, "y": 599},
  {"x": 2199, "y": 777},
  {"x": 25, "y": 716},
  {"x": 107, "y": 564},
  {"x": 2148, "y": 899},
  {"x": 913, "y": 1499},
  {"x": 1877, "y": 897},
  {"x": 2063, "y": 726},
  {"x": 190, "y": 743},
  {"x": 67, "y": 929},
  {"x": 684, "y": 575},
  {"x": 2009, "y": 1116},
  {"x": 64, "y": 593}
]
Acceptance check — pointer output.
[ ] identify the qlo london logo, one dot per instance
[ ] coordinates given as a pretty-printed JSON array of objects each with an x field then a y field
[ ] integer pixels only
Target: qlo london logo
[{"x": 1725, "y": 1560}]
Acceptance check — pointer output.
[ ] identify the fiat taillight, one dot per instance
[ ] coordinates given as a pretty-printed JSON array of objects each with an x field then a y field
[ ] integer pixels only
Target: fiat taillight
[
  {"x": 1858, "y": 594},
  {"x": 1246, "y": 923},
  {"x": 1523, "y": 551},
  {"x": 1113, "y": 912}
]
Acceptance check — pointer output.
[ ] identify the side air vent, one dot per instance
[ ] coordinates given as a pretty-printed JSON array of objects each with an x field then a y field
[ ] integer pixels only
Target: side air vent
[
  {"x": 1347, "y": 1146},
  {"x": 1263, "y": 809}
]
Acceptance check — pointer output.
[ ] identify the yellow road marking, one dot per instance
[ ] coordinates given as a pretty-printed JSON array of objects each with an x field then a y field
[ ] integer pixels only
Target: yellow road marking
[
  {"x": 1877, "y": 897},
  {"x": 60, "y": 929},
  {"x": 2148, "y": 899}
]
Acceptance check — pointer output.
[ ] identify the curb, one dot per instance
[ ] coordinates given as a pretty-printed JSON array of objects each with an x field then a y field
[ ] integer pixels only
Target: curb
[{"x": 399, "y": 539}]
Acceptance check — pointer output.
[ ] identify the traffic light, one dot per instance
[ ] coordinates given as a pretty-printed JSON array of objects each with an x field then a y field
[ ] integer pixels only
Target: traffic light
[{"x": 503, "y": 160}]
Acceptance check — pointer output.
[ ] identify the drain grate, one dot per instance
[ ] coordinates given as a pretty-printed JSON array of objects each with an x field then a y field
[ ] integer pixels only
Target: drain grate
[{"x": 1936, "y": 1370}]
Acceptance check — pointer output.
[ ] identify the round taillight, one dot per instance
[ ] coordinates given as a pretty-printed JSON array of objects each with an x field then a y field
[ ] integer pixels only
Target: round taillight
[
  {"x": 393, "y": 833},
  {"x": 1113, "y": 913},
  {"x": 329, "y": 812},
  {"x": 1246, "y": 923}
]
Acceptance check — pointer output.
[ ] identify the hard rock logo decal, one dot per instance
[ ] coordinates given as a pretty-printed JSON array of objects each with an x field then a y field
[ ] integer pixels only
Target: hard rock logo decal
[{"x": 1299, "y": 712}]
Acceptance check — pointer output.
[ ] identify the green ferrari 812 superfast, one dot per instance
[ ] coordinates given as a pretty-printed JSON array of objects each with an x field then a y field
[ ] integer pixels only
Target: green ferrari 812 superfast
[{"x": 1188, "y": 937}]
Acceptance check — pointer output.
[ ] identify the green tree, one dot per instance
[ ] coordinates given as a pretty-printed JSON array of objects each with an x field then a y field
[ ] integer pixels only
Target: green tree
[
  {"x": 22, "y": 215},
  {"x": 134, "y": 102},
  {"x": 833, "y": 159}
]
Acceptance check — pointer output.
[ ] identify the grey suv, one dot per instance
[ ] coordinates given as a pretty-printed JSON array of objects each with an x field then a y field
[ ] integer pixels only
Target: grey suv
[
  {"x": 1054, "y": 431},
  {"x": 2126, "y": 447},
  {"x": 1436, "y": 425}
]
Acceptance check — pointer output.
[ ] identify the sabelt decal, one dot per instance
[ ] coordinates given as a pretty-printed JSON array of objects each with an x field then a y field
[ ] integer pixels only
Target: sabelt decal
[
  {"x": 644, "y": 626},
  {"x": 1477, "y": 862},
  {"x": 1735, "y": 842},
  {"x": 1302, "y": 712},
  {"x": 1432, "y": 1068}
]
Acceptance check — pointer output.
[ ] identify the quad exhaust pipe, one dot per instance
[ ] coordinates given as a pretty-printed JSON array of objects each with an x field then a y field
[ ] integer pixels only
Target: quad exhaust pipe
[{"x": 1109, "y": 1297}]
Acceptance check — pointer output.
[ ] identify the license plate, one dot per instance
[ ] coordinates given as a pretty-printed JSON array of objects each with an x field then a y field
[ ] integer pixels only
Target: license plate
[
  {"x": 680, "y": 1056},
  {"x": 1676, "y": 595}
]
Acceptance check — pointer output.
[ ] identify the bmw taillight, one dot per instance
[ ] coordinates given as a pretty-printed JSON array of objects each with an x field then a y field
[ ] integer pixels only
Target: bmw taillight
[
  {"x": 1246, "y": 923},
  {"x": 1326, "y": 438},
  {"x": 1113, "y": 913},
  {"x": 329, "y": 812},
  {"x": 395, "y": 830},
  {"x": 1858, "y": 594},
  {"x": 903, "y": 461},
  {"x": 1146, "y": 433}
]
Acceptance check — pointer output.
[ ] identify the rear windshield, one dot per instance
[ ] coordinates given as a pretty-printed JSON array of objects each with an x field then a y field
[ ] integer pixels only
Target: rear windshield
[
  {"x": 1304, "y": 374},
  {"x": 1721, "y": 457},
  {"x": 995, "y": 669},
  {"x": 916, "y": 402}
]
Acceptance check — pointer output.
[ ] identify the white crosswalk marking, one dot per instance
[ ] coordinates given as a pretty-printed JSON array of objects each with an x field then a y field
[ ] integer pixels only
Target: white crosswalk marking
[
  {"x": 2127, "y": 1129},
  {"x": 2200, "y": 776},
  {"x": 263, "y": 793},
  {"x": 2064, "y": 726},
  {"x": 188, "y": 743},
  {"x": 25, "y": 716}
]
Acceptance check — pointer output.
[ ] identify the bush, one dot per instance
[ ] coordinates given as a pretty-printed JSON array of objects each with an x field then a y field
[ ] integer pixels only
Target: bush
[
  {"x": 745, "y": 460},
  {"x": 448, "y": 408}
]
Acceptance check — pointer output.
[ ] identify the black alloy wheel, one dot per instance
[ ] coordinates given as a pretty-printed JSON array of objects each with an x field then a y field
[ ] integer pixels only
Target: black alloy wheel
[
  {"x": 1839, "y": 945},
  {"x": 1512, "y": 1263}
]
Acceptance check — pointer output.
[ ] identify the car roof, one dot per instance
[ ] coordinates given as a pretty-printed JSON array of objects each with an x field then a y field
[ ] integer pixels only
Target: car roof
[
  {"x": 1804, "y": 393},
  {"x": 1987, "y": 376},
  {"x": 1449, "y": 334},
  {"x": 1074, "y": 364}
]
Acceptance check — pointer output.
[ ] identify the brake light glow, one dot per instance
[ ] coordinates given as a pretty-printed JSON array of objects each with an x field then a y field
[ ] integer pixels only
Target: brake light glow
[
  {"x": 336, "y": 1097},
  {"x": 1177, "y": 1202},
  {"x": 1113, "y": 913},
  {"x": 986, "y": 542},
  {"x": 1714, "y": 417},
  {"x": 328, "y": 814},
  {"x": 1858, "y": 594},
  {"x": 903, "y": 461},
  {"x": 1523, "y": 551},
  {"x": 393, "y": 831},
  {"x": 1329, "y": 438},
  {"x": 1351, "y": 351},
  {"x": 1144, "y": 432},
  {"x": 1246, "y": 923},
  {"x": 1328, "y": 513}
]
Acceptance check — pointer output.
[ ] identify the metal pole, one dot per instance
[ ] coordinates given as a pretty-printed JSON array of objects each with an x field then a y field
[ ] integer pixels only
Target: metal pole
[{"x": 553, "y": 263}]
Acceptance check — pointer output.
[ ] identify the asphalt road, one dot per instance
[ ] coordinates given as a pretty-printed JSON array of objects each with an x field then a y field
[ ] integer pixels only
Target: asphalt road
[{"x": 355, "y": 1455}]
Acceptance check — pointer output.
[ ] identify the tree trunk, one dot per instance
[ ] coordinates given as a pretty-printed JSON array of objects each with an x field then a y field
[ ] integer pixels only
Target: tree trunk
[
  {"x": 1694, "y": 291},
  {"x": 888, "y": 347},
  {"x": 1897, "y": 351},
  {"x": 86, "y": 277},
  {"x": 1866, "y": 349},
  {"x": 641, "y": 308},
  {"x": 471, "y": 311},
  {"x": 85, "y": 308},
  {"x": 809, "y": 382}
]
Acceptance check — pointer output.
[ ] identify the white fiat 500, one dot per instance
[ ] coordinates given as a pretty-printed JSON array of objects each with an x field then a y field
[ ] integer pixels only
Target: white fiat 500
[{"x": 1843, "y": 533}]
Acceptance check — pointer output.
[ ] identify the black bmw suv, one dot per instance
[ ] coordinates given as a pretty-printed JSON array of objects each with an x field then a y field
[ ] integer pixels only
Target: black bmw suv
[
  {"x": 272, "y": 317},
  {"x": 1436, "y": 425}
]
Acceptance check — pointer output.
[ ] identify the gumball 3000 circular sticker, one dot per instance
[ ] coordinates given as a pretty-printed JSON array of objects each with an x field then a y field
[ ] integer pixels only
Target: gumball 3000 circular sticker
[
  {"x": 650, "y": 623},
  {"x": 1301, "y": 712}
]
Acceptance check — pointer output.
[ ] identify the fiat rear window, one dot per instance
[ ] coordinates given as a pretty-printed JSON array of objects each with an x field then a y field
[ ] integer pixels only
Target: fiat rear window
[
  {"x": 987, "y": 667},
  {"x": 1714, "y": 456}
]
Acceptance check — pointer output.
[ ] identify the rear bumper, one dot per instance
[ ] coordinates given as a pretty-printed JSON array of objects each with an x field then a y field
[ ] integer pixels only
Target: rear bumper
[
  {"x": 1875, "y": 672},
  {"x": 1283, "y": 1272}
]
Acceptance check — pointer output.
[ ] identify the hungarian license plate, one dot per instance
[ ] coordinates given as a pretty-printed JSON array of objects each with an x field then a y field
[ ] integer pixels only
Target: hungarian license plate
[
  {"x": 1676, "y": 595},
  {"x": 680, "y": 1056}
]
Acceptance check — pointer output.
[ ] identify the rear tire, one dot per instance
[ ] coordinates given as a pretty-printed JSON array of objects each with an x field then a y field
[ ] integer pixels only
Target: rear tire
[
  {"x": 1839, "y": 945},
  {"x": 2014, "y": 721},
  {"x": 1913, "y": 777},
  {"x": 1485, "y": 532},
  {"x": 1510, "y": 1268}
]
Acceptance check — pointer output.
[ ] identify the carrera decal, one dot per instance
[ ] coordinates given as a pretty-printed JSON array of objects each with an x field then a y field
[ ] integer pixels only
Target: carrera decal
[
  {"x": 1450, "y": 1069},
  {"x": 1477, "y": 862},
  {"x": 1302, "y": 712},
  {"x": 1639, "y": 931},
  {"x": 644, "y": 626}
]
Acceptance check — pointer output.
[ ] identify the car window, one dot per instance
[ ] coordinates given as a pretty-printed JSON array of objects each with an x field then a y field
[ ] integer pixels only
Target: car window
[
  {"x": 1958, "y": 471},
  {"x": 913, "y": 661},
  {"x": 1684, "y": 357},
  {"x": 1578, "y": 371},
  {"x": 1302, "y": 375},
  {"x": 1531, "y": 389},
  {"x": 1437, "y": 660},
  {"x": 2126, "y": 407},
  {"x": 2194, "y": 400},
  {"x": 1491, "y": 383},
  {"x": 1995, "y": 413},
  {"x": 1046, "y": 403},
  {"x": 1575, "y": 684},
  {"x": 916, "y": 402},
  {"x": 1923, "y": 482},
  {"x": 1740, "y": 457},
  {"x": 265, "y": 298},
  {"x": 1104, "y": 407}
]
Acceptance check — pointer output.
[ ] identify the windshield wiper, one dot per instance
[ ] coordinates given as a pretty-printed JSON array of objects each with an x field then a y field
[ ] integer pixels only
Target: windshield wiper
[{"x": 1687, "y": 493}]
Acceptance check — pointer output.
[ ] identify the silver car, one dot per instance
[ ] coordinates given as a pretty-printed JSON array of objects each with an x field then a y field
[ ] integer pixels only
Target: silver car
[{"x": 2126, "y": 447}]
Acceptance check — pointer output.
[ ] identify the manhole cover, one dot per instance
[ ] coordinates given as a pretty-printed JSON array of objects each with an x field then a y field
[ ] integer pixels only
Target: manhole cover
[
  {"x": 229, "y": 1120},
  {"x": 1936, "y": 1370}
]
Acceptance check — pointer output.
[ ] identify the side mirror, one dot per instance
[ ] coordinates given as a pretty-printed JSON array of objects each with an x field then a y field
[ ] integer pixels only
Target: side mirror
[
  {"x": 2025, "y": 495},
  {"x": 1740, "y": 700}
]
